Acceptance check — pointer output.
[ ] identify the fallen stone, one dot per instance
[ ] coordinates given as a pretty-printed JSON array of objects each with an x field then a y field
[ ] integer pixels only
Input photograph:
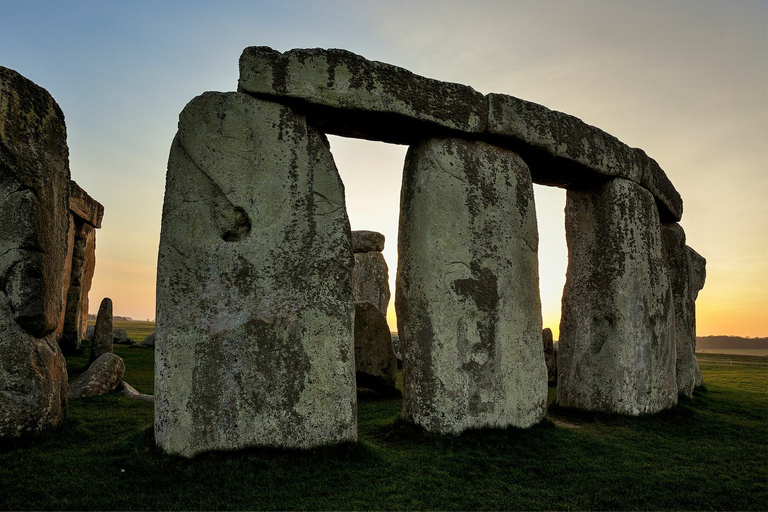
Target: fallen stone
[
  {"x": 549, "y": 355},
  {"x": 149, "y": 341},
  {"x": 129, "y": 391},
  {"x": 468, "y": 307},
  {"x": 103, "y": 335},
  {"x": 375, "y": 361},
  {"x": 617, "y": 347},
  {"x": 34, "y": 177},
  {"x": 346, "y": 94},
  {"x": 561, "y": 150},
  {"x": 120, "y": 337},
  {"x": 103, "y": 376},
  {"x": 370, "y": 280},
  {"x": 367, "y": 241},
  {"x": 255, "y": 323}
]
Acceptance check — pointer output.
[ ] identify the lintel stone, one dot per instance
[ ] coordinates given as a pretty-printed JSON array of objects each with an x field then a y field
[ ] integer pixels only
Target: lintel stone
[
  {"x": 564, "y": 151},
  {"x": 84, "y": 206},
  {"x": 345, "y": 94}
]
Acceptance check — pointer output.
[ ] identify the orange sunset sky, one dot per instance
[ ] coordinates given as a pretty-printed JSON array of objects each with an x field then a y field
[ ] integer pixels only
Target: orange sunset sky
[{"x": 685, "y": 80}]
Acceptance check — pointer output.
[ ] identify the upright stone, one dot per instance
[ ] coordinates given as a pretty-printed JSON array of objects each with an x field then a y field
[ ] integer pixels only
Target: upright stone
[
  {"x": 375, "y": 361},
  {"x": 467, "y": 296},
  {"x": 370, "y": 275},
  {"x": 103, "y": 335},
  {"x": 254, "y": 342},
  {"x": 549, "y": 355},
  {"x": 34, "y": 177},
  {"x": 617, "y": 348},
  {"x": 697, "y": 266}
]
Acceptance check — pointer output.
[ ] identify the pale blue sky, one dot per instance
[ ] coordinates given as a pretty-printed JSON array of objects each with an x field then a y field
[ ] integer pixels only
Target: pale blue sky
[{"x": 687, "y": 81}]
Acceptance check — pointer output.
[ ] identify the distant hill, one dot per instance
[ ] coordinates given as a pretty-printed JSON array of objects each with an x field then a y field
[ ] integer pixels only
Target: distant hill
[
  {"x": 114, "y": 318},
  {"x": 732, "y": 342}
]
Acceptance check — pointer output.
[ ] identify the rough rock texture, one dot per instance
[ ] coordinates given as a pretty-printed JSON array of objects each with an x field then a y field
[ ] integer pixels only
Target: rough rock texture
[
  {"x": 617, "y": 348},
  {"x": 84, "y": 206},
  {"x": 367, "y": 241},
  {"x": 396, "y": 347},
  {"x": 562, "y": 150},
  {"x": 697, "y": 267},
  {"x": 255, "y": 338},
  {"x": 467, "y": 299},
  {"x": 149, "y": 341},
  {"x": 103, "y": 376},
  {"x": 375, "y": 361},
  {"x": 34, "y": 177},
  {"x": 89, "y": 332},
  {"x": 686, "y": 284},
  {"x": 549, "y": 355},
  {"x": 103, "y": 336},
  {"x": 370, "y": 280},
  {"x": 345, "y": 94},
  {"x": 129, "y": 391}
]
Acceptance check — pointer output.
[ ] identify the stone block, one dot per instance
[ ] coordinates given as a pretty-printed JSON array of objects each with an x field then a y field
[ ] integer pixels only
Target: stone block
[
  {"x": 370, "y": 279},
  {"x": 103, "y": 335},
  {"x": 254, "y": 342},
  {"x": 84, "y": 206},
  {"x": 103, "y": 375},
  {"x": 367, "y": 241},
  {"x": 467, "y": 295},
  {"x": 617, "y": 345},
  {"x": 549, "y": 355},
  {"x": 563, "y": 150},
  {"x": 375, "y": 361},
  {"x": 345, "y": 94},
  {"x": 34, "y": 221}
]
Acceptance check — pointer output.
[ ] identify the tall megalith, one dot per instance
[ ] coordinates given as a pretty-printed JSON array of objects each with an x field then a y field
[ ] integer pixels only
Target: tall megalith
[
  {"x": 467, "y": 296},
  {"x": 617, "y": 347},
  {"x": 34, "y": 195},
  {"x": 254, "y": 342},
  {"x": 686, "y": 273},
  {"x": 370, "y": 275}
]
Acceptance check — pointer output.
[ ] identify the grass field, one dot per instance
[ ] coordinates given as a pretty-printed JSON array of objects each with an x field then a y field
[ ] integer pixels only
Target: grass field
[{"x": 710, "y": 452}]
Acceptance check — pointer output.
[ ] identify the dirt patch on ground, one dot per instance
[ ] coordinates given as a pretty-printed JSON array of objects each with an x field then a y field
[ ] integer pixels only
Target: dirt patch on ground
[{"x": 565, "y": 424}]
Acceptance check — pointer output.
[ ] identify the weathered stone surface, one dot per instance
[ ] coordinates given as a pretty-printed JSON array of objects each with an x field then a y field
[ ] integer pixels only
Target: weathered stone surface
[
  {"x": 78, "y": 275},
  {"x": 84, "y": 206},
  {"x": 697, "y": 266},
  {"x": 149, "y": 341},
  {"x": 396, "y": 347},
  {"x": 89, "y": 332},
  {"x": 129, "y": 391},
  {"x": 34, "y": 172},
  {"x": 120, "y": 335},
  {"x": 468, "y": 307},
  {"x": 617, "y": 348},
  {"x": 255, "y": 336},
  {"x": 549, "y": 355},
  {"x": 375, "y": 361},
  {"x": 34, "y": 190},
  {"x": 561, "y": 150},
  {"x": 103, "y": 336},
  {"x": 367, "y": 241},
  {"x": 103, "y": 376},
  {"x": 346, "y": 94},
  {"x": 370, "y": 279}
]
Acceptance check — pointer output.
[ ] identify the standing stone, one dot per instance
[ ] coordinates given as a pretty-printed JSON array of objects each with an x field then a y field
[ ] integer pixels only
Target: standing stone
[
  {"x": 103, "y": 336},
  {"x": 697, "y": 267},
  {"x": 396, "y": 347},
  {"x": 549, "y": 355},
  {"x": 375, "y": 361},
  {"x": 370, "y": 280},
  {"x": 255, "y": 317},
  {"x": 617, "y": 349},
  {"x": 467, "y": 295},
  {"x": 34, "y": 177}
]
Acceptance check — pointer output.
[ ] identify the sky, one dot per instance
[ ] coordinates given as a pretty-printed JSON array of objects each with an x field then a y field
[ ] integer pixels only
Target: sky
[{"x": 686, "y": 81}]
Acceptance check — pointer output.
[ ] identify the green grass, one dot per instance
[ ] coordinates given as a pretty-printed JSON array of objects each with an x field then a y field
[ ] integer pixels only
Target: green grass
[{"x": 710, "y": 452}]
